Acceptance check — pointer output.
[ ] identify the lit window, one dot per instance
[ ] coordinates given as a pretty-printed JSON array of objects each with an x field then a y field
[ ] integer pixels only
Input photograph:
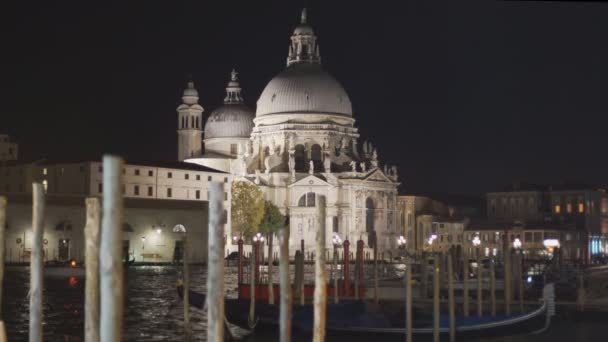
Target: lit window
[
  {"x": 581, "y": 208},
  {"x": 45, "y": 171},
  {"x": 45, "y": 185},
  {"x": 569, "y": 208},
  {"x": 557, "y": 209}
]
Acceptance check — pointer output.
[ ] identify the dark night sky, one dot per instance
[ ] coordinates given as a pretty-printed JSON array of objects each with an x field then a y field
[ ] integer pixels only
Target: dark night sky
[{"x": 464, "y": 96}]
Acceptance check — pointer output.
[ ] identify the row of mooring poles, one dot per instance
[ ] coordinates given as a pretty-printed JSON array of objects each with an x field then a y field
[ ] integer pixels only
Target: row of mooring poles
[{"x": 2, "y": 233}]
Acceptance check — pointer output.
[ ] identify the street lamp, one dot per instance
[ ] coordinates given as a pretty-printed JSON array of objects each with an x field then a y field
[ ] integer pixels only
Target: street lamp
[
  {"x": 257, "y": 239},
  {"x": 476, "y": 241},
  {"x": 401, "y": 241},
  {"x": 517, "y": 244}
]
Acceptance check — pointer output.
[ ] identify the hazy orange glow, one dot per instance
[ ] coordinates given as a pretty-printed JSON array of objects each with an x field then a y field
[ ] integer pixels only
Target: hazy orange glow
[{"x": 73, "y": 263}]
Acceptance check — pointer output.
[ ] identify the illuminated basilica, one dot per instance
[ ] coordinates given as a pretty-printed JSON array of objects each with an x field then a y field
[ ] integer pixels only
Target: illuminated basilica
[{"x": 299, "y": 143}]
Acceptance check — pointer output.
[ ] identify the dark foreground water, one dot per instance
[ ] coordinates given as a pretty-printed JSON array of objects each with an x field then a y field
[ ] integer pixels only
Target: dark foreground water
[{"x": 153, "y": 312}]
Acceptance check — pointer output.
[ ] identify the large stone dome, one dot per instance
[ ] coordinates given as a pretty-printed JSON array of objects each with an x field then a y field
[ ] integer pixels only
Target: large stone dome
[
  {"x": 230, "y": 121},
  {"x": 304, "y": 88}
]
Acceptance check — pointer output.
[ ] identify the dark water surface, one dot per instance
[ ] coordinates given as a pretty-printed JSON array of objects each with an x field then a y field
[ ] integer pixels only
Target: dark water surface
[{"x": 153, "y": 312}]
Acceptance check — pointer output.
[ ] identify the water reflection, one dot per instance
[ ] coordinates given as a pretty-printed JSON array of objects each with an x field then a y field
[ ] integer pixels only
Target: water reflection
[{"x": 153, "y": 312}]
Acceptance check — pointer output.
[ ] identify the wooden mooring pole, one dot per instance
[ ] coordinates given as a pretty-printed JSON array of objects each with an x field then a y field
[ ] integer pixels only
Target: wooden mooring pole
[
  {"x": 493, "y": 287},
  {"x": 91, "y": 263},
  {"x": 346, "y": 268},
  {"x": 479, "y": 283},
  {"x": 186, "y": 266},
  {"x": 465, "y": 282},
  {"x": 408, "y": 301},
  {"x": 507, "y": 275},
  {"x": 285, "y": 290},
  {"x": 2, "y": 252},
  {"x": 376, "y": 274},
  {"x": 335, "y": 276},
  {"x": 436, "y": 303},
  {"x": 215, "y": 268},
  {"x": 320, "y": 300},
  {"x": 110, "y": 252},
  {"x": 36, "y": 265},
  {"x": 451, "y": 304}
]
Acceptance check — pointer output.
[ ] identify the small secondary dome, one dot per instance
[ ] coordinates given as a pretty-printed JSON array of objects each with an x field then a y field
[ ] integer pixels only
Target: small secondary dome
[{"x": 233, "y": 119}]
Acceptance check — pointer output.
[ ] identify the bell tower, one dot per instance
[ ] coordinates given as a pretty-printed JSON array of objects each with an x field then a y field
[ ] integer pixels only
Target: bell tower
[{"x": 189, "y": 125}]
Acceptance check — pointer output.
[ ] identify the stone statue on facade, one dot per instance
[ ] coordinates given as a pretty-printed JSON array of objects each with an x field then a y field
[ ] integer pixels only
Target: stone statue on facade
[
  {"x": 394, "y": 171},
  {"x": 327, "y": 163},
  {"x": 311, "y": 167},
  {"x": 272, "y": 148},
  {"x": 248, "y": 148},
  {"x": 267, "y": 164},
  {"x": 257, "y": 176},
  {"x": 292, "y": 161},
  {"x": 374, "y": 160},
  {"x": 362, "y": 165},
  {"x": 353, "y": 166}
]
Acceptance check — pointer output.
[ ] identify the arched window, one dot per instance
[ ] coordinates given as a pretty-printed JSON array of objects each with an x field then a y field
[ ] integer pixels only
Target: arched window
[
  {"x": 369, "y": 222},
  {"x": 307, "y": 200},
  {"x": 197, "y": 122},
  {"x": 179, "y": 228},
  {"x": 300, "y": 158}
]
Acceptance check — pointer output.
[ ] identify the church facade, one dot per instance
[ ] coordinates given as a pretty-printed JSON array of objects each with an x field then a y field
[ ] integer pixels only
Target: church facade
[{"x": 300, "y": 143}]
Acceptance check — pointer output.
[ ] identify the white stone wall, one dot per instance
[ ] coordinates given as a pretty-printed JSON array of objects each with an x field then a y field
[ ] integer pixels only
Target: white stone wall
[{"x": 144, "y": 221}]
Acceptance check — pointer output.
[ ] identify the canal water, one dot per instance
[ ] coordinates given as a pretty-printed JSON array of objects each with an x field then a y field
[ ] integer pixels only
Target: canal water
[{"x": 153, "y": 311}]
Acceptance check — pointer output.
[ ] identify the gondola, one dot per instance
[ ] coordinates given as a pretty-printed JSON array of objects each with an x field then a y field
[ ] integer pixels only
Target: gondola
[{"x": 358, "y": 317}]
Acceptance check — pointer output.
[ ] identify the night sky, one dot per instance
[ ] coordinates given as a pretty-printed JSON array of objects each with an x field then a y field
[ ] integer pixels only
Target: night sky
[{"x": 464, "y": 96}]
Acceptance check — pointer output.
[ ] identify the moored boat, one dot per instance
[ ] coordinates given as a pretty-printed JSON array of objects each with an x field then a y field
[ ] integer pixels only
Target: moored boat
[{"x": 358, "y": 317}]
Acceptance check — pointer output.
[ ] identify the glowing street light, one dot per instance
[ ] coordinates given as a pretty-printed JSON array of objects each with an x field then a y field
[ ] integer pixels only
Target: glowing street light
[
  {"x": 258, "y": 238},
  {"x": 476, "y": 241},
  {"x": 401, "y": 241},
  {"x": 517, "y": 243},
  {"x": 336, "y": 240}
]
